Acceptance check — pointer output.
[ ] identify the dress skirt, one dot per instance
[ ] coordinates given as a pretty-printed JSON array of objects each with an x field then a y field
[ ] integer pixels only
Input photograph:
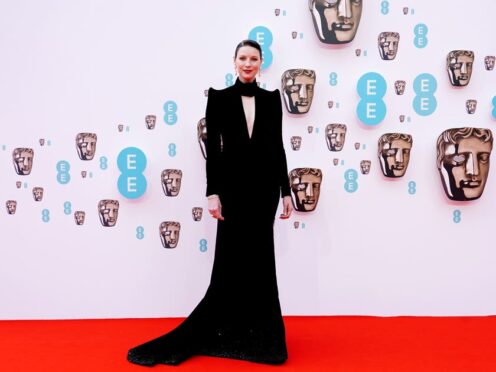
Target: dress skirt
[{"x": 240, "y": 315}]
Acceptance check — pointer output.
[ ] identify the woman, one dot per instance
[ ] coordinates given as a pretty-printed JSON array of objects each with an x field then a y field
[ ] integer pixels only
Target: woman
[{"x": 240, "y": 315}]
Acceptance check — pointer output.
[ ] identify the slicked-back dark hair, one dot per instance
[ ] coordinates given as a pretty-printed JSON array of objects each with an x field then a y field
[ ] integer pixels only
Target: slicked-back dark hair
[{"x": 250, "y": 43}]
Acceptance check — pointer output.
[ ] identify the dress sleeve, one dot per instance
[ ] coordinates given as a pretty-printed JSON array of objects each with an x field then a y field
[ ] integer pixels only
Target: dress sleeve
[
  {"x": 213, "y": 145},
  {"x": 281, "y": 154}
]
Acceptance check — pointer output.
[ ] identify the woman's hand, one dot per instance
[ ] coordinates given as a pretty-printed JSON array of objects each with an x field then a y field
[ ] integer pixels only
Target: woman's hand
[
  {"x": 287, "y": 208},
  {"x": 215, "y": 207}
]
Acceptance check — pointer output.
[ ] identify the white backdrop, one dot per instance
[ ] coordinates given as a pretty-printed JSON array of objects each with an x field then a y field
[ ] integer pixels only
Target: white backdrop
[{"x": 88, "y": 66}]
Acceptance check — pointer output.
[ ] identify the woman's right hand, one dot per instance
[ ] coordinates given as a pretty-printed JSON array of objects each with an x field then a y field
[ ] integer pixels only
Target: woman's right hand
[{"x": 215, "y": 207}]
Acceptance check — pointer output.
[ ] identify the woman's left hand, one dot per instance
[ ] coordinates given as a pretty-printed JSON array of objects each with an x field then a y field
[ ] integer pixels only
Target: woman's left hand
[{"x": 287, "y": 208}]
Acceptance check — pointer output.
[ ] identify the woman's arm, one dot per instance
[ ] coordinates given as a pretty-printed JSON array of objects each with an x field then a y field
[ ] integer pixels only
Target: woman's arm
[
  {"x": 213, "y": 149},
  {"x": 213, "y": 144},
  {"x": 280, "y": 153}
]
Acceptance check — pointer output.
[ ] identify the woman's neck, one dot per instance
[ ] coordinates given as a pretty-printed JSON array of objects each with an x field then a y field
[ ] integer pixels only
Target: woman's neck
[{"x": 245, "y": 81}]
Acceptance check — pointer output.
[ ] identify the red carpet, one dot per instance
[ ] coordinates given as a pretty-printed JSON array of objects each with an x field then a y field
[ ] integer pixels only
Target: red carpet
[{"x": 397, "y": 344}]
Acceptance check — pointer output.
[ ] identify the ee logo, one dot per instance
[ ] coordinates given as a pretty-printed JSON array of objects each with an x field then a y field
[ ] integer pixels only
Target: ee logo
[
  {"x": 140, "y": 233},
  {"x": 229, "y": 80},
  {"x": 351, "y": 184},
  {"x": 203, "y": 245},
  {"x": 385, "y": 7},
  {"x": 131, "y": 183},
  {"x": 371, "y": 88},
  {"x": 424, "y": 103},
  {"x": 170, "y": 110},
  {"x": 63, "y": 176},
  {"x": 412, "y": 187},
  {"x": 420, "y": 41},
  {"x": 263, "y": 36},
  {"x": 333, "y": 79},
  {"x": 457, "y": 216}
]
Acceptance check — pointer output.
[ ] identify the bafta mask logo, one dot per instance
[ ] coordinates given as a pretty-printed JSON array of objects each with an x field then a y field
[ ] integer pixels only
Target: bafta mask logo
[
  {"x": 365, "y": 166},
  {"x": 471, "y": 106},
  {"x": 86, "y": 145},
  {"x": 150, "y": 121},
  {"x": 169, "y": 233},
  {"x": 202, "y": 136},
  {"x": 489, "y": 62},
  {"x": 305, "y": 185},
  {"x": 38, "y": 193},
  {"x": 336, "y": 21},
  {"x": 463, "y": 161},
  {"x": 296, "y": 143},
  {"x": 399, "y": 87},
  {"x": 394, "y": 153},
  {"x": 459, "y": 65},
  {"x": 197, "y": 213},
  {"x": 297, "y": 89},
  {"x": 388, "y": 43},
  {"x": 23, "y": 160},
  {"x": 79, "y": 217},
  {"x": 108, "y": 211},
  {"x": 42, "y": 141},
  {"x": 171, "y": 181},
  {"x": 335, "y": 136},
  {"x": 11, "y": 206}
]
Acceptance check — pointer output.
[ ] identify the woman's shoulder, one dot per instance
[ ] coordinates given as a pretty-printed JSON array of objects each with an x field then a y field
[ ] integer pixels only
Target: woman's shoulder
[
  {"x": 221, "y": 92},
  {"x": 269, "y": 93}
]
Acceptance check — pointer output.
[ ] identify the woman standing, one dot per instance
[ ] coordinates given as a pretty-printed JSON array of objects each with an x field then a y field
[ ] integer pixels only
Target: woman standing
[{"x": 240, "y": 315}]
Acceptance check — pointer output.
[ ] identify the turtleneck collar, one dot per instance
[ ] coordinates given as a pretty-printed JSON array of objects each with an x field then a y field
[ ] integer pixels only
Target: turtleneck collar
[{"x": 246, "y": 89}]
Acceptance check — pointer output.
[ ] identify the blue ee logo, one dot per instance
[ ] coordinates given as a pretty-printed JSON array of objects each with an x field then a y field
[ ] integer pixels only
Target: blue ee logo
[
  {"x": 263, "y": 36},
  {"x": 420, "y": 31},
  {"x": 170, "y": 112},
  {"x": 351, "y": 177},
  {"x": 371, "y": 88},
  {"x": 424, "y": 103},
  {"x": 131, "y": 162},
  {"x": 63, "y": 175}
]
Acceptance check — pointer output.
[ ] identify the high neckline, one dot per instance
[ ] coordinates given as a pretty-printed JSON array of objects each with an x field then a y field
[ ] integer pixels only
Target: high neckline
[{"x": 246, "y": 89}]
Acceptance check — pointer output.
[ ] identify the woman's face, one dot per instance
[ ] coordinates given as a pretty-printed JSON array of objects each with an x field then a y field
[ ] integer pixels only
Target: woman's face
[{"x": 247, "y": 63}]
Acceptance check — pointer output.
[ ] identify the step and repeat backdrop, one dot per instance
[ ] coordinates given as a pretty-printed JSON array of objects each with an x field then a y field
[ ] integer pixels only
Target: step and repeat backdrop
[{"x": 389, "y": 116}]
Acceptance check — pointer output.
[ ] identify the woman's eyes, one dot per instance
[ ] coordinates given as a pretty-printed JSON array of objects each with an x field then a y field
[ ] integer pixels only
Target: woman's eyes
[{"x": 253, "y": 59}]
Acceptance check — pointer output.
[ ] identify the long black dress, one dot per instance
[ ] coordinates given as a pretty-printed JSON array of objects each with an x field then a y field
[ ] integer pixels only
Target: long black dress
[{"x": 240, "y": 315}]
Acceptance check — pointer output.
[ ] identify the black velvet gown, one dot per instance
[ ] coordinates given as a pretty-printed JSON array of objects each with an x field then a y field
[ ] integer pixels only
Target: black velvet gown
[{"x": 240, "y": 315}]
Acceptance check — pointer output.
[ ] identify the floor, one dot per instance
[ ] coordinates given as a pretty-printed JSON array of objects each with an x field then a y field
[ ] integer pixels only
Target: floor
[{"x": 314, "y": 344}]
